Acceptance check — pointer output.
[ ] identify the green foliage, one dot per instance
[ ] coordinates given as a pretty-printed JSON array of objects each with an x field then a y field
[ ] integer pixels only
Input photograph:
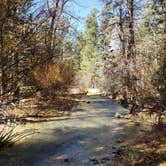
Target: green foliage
[{"x": 89, "y": 52}]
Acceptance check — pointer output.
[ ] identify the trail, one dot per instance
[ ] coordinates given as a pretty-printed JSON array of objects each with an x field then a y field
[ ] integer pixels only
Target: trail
[{"x": 90, "y": 136}]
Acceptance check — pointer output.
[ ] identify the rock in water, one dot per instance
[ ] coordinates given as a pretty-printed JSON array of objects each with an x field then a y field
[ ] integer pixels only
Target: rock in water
[
  {"x": 128, "y": 116},
  {"x": 66, "y": 160},
  {"x": 117, "y": 115}
]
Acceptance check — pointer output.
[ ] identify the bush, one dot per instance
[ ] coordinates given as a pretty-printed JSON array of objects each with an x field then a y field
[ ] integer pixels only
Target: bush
[{"x": 54, "y": 76}]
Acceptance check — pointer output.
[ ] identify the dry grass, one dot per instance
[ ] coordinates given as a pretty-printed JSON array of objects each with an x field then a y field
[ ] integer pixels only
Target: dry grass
[
  {"x": 54, "y": 75},
  {"x": 147, "y": 150}
]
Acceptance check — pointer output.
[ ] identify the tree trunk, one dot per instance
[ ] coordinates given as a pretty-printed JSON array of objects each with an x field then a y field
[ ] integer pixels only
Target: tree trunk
[
  {"x": 3, "y": 62},
  {"x": 16, "y": 77},
  {"x": 131, "y": 41},
  {"x": 131, "y": 56},
  {"x": 121, "y": 35}
]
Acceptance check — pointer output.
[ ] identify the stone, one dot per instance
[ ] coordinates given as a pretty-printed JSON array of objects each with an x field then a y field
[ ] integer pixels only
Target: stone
[
  {"x": 66, "y": 160},
  {"x": 137, "y": 124},
  {"x": 117, "y": 115},
  {"x": 119, "y": 140},
  {"x": 94, "y": 160},
  {"x": 128, "y": 116},
  {"x": 105, "y": 160}
]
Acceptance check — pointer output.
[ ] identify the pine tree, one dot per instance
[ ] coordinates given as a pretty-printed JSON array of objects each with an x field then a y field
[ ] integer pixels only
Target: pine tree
[
  {"x": 89, "y": 52},
  {"x": 11, "y": 28}
]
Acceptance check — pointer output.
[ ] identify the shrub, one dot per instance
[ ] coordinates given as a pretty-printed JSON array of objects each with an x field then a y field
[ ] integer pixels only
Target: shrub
[
  {"x": 9, "y": 136},
  {"x": 54, "y": 76}
]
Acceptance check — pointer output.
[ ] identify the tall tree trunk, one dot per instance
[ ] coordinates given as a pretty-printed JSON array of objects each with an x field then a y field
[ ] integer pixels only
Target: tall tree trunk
[
  {"x": 16, "y": 77},
  {"x": 131, "y": 56},
  {"x": 123, "y": 53},
  {"x": 3, "y": 62},
  {"x": 55, "y": 12},
  {"x": 121, "y": 35},
  {"x": 131, "y": 44}
]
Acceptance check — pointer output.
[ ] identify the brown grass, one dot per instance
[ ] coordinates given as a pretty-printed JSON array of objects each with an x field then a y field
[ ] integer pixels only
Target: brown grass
[
  {"x": 58, "y": 74},
  {"x": 147, "y": 150}
]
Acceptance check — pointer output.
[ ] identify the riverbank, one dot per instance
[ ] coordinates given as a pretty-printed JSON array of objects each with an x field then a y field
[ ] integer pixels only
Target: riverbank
[
  {"x": 148, "y": 149},
  {"x": 40, "y": 109}
]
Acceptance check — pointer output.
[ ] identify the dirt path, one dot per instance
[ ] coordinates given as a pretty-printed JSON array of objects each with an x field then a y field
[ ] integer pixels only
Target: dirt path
[{"x": 90, "y": 136}]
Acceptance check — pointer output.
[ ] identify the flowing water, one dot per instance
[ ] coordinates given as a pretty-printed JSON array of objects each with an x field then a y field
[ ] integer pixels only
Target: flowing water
[{"x": 88, "y": 137}]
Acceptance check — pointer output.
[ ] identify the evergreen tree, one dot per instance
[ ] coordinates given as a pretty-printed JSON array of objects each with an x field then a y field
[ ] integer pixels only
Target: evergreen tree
[
  {"x": 89, "y": 52},
  {"x": 78, "y": 48}
]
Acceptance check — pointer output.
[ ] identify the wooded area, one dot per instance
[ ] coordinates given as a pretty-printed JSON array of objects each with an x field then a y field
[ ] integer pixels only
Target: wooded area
[
  {"x": 121, "y": 51},
  {"x": 34, "y": 35}
]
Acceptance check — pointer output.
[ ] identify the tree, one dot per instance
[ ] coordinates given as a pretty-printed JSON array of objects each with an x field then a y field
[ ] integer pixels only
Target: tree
[
  {"x": 29, "y": 39},
  {"x": 89, "y": 52},
  {"x": 137, "y": 64},
  {"x": 116, "y": 23},
  {"x": 11, "y": 17},
  {"x": 150, "y": 42}
]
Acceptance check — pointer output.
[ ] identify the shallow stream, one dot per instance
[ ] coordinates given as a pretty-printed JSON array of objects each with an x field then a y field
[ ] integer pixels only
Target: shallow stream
[{"x": 88, "y": 137}]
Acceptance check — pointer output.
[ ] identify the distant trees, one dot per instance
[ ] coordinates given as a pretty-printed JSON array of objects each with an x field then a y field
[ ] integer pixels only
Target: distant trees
[{"x": 89, "y": 52}]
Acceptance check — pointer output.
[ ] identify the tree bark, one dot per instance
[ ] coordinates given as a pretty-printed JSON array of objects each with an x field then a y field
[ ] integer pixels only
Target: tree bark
[
  {"x": 16, "y": 77},
  {"x": 121, "y": 35},
  {"x": 3, "y": 62},
  {"x": 131, "y": 57}
]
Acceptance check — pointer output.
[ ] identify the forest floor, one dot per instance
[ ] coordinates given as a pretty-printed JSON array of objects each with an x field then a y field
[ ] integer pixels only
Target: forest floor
[
  {"x": 148, "y": 149},
  {"x": 91, "y": 135}
]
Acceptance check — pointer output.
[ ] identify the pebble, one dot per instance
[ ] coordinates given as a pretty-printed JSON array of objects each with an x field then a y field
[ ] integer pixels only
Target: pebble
[
  {"x": 117, "y": 115},
  {"x": 66, "y": 160},
  {"x": 94, "y": 160},
  {"x": 119, "y": 141},
  {"x": 128, "y": 116}
]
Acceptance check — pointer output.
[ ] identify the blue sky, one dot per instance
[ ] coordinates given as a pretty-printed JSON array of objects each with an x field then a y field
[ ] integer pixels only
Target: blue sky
[{"x": 81, "y": 8}]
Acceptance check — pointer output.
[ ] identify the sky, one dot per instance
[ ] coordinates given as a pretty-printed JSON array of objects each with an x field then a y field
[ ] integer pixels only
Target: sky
[{"x": 81, "y": 9}]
